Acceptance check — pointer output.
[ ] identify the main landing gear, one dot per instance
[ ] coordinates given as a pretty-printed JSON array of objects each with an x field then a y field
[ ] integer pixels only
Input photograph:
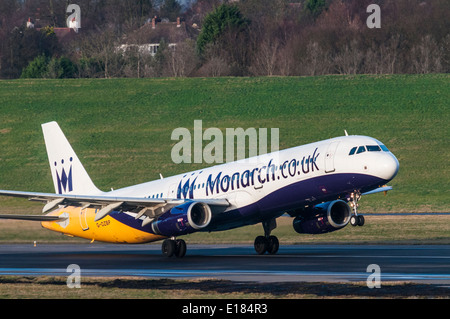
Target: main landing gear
[
  {"x": 172, "y": 246},
  {"x": 267, "y": 243},
  {"x": 356, "y": 219}
]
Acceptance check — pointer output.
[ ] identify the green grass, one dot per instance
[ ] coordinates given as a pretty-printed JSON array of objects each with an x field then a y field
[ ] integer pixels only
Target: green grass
[
  {"x": 121, "y": 128},
  {"x": 15, "y": 287}
]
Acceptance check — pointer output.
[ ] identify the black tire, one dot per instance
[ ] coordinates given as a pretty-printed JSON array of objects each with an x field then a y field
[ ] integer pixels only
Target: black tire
[
  {"x": 354, "y": 220},
  {"x": 361, "y": 220},
  {"x": 261, "y": 244},
  {"x": 168, "y": 247},
  {"x": 180, "y": 250},
  {"x": 273, "y": 245}
]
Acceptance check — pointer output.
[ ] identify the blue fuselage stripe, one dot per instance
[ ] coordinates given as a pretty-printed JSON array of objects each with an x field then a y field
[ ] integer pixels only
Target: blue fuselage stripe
[{"x": 306, "y": 192}]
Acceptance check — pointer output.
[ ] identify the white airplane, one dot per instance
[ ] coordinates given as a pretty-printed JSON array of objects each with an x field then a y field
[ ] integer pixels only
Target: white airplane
[{"x": 319, "y": 184}]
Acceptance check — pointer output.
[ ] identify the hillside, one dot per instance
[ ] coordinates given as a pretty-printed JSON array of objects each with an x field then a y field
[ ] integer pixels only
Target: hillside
[{"x": 121, "y": 128}]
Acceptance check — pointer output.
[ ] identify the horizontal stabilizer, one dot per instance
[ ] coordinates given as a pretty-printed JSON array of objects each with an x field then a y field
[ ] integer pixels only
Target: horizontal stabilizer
[
  {"x": 378, "y": 190},
  {"x": 38, "y": 218}
]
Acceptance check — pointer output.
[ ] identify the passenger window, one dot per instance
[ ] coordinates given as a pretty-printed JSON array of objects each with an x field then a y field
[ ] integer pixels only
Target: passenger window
[
  {"x": 352, "y": 151},
  {"x": 384, "y": 148},
  {"x": 373, "y": 148},
  {"x": 361, "y": 149}
]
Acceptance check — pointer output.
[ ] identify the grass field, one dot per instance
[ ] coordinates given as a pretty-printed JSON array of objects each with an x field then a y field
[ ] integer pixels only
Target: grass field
[
  {"x": 14, "y": 287},
  {"x": 121, "y": 128}
]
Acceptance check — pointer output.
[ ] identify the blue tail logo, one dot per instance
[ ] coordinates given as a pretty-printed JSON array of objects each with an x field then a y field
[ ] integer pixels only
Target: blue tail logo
[{"x": 64, "y": 179}]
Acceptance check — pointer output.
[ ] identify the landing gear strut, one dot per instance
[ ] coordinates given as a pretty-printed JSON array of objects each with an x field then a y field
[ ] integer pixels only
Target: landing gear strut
[
  {"x": 171, "y": 247},
  {"x": 267, "y": 243},
  {"x": 356, "y": 219}
]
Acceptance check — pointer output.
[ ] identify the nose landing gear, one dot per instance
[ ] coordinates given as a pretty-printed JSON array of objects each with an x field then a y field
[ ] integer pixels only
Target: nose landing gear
[{"x": 356, "y": 219}]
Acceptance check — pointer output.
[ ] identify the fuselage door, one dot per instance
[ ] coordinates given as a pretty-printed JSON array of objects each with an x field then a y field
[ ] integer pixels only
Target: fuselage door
[
  {"x": 83, "y": 219},
  {"x": 258, "y": 178},
  {"x": 329, "y": 157}
]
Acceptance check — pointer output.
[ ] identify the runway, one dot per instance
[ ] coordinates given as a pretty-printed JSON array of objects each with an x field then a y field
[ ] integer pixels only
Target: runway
[{"x": 294, "y": 263}]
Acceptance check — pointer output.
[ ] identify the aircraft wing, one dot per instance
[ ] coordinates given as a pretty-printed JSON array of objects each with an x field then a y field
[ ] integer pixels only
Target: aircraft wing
[{"x": 151, "y": 208}]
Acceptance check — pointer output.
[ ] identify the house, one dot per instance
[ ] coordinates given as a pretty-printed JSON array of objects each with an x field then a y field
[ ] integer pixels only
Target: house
[
  {"x": 147, "y": 38},
  {"x": 63, "y": 34}
]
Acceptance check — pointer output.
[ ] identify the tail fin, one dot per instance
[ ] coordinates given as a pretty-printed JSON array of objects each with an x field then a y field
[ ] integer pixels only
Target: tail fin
[{"x": 69, "y": 175}]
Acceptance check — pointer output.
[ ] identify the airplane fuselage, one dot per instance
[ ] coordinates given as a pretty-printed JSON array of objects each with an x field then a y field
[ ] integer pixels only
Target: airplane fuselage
[{"x": 258, "y": 189}]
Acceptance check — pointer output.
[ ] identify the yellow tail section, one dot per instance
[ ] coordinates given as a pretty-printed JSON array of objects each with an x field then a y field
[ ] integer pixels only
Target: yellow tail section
[{"x": 80, "y": 223}]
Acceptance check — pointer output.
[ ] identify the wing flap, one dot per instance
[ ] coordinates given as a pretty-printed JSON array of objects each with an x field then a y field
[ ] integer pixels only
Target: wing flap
[{"x": 149, "y": 207}]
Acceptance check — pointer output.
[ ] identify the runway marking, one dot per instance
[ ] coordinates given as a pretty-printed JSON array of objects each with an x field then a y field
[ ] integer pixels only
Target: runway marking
[
  {"x": 356, "y": 256},
  {"x": 229, "y": 274}
]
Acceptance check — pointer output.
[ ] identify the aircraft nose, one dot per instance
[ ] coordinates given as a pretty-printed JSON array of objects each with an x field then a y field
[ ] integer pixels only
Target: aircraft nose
[{"x": 389, "y": 167}]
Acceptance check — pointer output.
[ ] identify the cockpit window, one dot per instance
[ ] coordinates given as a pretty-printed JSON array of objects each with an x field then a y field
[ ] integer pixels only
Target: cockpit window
[
  {"x": 373, "y": 148},
  {"x": 361, "y": 149},
  {"x": 369, "y": 148}
]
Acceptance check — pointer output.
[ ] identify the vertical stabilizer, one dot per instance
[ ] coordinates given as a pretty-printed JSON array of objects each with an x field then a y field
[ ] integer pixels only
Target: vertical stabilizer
[{"x": 69, "y": 175}]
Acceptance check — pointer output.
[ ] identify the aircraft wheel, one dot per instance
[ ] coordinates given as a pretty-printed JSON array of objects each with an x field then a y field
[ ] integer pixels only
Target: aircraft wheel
[
  {"x": 273, "y": 245},
  {"x": 361, "y": 220},
  {"x": 261, "y": 245},
  {"x": 168, "y": 247},
  {"x": 357, "y": 220},
  {"x": 180, "y": 250}
]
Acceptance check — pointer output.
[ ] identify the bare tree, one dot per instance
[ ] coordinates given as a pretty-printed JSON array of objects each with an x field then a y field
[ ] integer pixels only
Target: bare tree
[
  {"x": 426, "y": 56},
  {"x": 446, "y": 53},
  {"x": 285, "y": 60},
  {"x": 349, "y": 59},
  {"x": 383, "y": 59},
  {"x": 389, "y": 54},
  {"x": 102, "y": 49},
  {"x": 182, "y": 58},
  {"x": 265, "y": 58},
  {"x": 316, "y": 60},
  {"x": 215, "y": 66}
]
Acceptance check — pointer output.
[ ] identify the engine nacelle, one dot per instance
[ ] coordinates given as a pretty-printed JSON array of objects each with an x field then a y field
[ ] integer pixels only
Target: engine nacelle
[
  {"x": 183, "y": 219},
  {"x": 323, "y": 218}
]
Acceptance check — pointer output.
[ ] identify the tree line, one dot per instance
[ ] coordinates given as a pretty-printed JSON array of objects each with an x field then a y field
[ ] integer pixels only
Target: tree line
[{"x": 228, "y": 38}]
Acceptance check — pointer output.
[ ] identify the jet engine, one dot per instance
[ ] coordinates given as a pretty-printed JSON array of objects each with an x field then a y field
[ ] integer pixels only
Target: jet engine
[
  {"x": 323, "y": 218},
  {"x": 183, "y": 219}
]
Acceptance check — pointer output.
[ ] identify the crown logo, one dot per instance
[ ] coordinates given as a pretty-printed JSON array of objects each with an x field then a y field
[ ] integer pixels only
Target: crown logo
[
  {"x": 64, "y": 179},
  {"x": 186, "y": 190}
]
